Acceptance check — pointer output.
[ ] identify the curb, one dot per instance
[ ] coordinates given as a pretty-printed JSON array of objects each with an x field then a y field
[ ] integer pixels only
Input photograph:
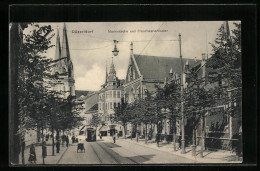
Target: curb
[
  {"x": 200, "y": 160},
  {"x": 159, "y": 150}
]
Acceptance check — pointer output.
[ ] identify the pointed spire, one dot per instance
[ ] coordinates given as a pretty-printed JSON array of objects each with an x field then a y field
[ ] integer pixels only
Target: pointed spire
[
  {"x": 58, "y": 49},
  {"x": 226, "y": 29},
  {"x": 106, "y": 72},
  {"x": 65, "y": 44},
  {"x": 112, "y": 68},
  {"x": 57, "y": 54}
]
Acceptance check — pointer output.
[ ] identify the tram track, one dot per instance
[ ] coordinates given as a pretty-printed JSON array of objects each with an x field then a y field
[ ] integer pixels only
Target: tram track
[
  {"x": 107, "y": 151},
  {"x": 99, "y": 159},
  {"x": 124, "y": 157}
]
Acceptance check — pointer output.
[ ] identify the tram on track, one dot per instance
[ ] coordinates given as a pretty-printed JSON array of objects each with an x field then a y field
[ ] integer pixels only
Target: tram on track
[{"x": 91, "y": 134}]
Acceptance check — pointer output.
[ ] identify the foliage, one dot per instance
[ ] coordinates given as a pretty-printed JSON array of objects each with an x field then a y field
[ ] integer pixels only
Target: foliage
[
  {"x": 38, "y": 104},
  {"x": 96, "y": 120},
  {"x": 226, "y": 58}
]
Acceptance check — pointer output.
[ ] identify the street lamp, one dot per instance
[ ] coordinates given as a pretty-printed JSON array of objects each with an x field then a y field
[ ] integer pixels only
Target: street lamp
[
  {"x": 115, "y": 51},
  {"x": 182, "y": 114}
]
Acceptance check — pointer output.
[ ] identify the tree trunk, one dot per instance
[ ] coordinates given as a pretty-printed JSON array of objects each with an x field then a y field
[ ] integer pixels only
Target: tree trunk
[
  {"x": 53, "y": 146},
  {"x": 202, "y": 137},
  {"x": 132, "y": 131},
  {"x": 193, "y": 138},
  {"x": 125, "y": 130},
  {"x": 146, "y": 133},
  {"x": 43, "y": 162},
  {"x": 136, "y": 134},
  {"x": 23, "y": 146}
]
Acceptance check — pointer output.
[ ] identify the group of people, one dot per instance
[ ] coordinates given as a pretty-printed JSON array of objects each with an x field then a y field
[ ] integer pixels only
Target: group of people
[{"x": 32, "y": 156}]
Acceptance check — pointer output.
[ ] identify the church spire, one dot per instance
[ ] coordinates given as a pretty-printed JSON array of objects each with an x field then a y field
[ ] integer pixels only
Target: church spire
[
  {"x": 106, "y": 72},
  {"x": 58, "y": 50},
  {"x": 57, "y": 54},
  {"x": 65, "y": 44},
  {"x": 112, "y": 68}
]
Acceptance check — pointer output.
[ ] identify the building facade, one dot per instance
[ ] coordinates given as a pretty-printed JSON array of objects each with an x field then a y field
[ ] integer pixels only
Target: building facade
[
  {"x": 144, "y": 73},
  {"x": 109, "y": 97}
]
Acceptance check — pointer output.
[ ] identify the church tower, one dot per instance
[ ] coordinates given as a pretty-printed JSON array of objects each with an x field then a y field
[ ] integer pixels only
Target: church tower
[{"x": 64, "y": 66}]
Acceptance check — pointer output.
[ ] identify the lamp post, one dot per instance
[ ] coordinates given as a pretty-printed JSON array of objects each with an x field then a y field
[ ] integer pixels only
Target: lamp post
[
  {"x": 115, "y": 51},
  {"x": 182, "y": 114}
]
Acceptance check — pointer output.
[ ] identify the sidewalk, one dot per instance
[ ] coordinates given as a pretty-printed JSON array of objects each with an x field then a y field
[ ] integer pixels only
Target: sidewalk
[
  {"x": 220, "y": 156},
  {"x": 49, "y": 158}
]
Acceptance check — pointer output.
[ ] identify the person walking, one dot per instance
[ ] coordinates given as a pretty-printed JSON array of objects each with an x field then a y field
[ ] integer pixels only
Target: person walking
[
  {"x": 73, "y": 139},
  {"x": 67, "y": 141},
  {"x": 157, "y": 139},
  {"x": 114, "y": 138},
  {"x": 44, "y": 150},
  {"x": 32, "y": 157},
  {"x": 58, "y": 146}
]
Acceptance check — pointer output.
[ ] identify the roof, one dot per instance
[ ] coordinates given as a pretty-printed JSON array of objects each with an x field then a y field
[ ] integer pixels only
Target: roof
[
  {"x": 90, "y": 101},
  {"x": 93, "y": 108},
  {"x": 157, "y": 67},
  {"x": 80, "y": 93}
]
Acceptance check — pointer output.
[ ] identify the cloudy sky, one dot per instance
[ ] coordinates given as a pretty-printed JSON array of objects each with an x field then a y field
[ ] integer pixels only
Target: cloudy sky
[{"x": 91, "y": 51}]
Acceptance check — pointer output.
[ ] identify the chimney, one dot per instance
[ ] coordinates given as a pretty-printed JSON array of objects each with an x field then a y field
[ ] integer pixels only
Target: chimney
[
  {"x": 203, "y": 56},
  {"x": 171, "y": 73},
  {"x": 186, "y": 66}
]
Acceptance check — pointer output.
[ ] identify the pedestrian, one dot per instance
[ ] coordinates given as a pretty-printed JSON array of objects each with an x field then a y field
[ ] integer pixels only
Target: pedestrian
[
  {"x": 73, "y": 139},
  {"x": 63, "y": 140},
  {"x": 114, "y": 138},
  {"x": 100, "y": 135},
  {"x": 44, "y": 150},
  {"x": 67, "y": 141},
  {"x": 157, "y": 139},
  {"x": 32, "y": 157},
  {"x": 58, "y": 146}
]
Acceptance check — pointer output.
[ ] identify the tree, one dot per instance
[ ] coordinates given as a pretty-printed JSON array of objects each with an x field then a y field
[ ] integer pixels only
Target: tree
[
  {"x": 168, "y": 99},
  {"x": 32, "y": 69},
  {"x": 226, "y": 62},
  {"x": 122, "y": 115},
  {"x": 226, "y": 58},
  {"x": 96, "y": 120}
]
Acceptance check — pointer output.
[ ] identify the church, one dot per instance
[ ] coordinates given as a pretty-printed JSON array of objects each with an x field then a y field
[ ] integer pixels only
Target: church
[
  {"x": 144, "y": 73},
  {"x": 64, "y": 67}
]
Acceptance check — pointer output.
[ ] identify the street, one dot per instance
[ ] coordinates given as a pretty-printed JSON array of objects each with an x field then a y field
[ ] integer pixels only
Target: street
[{"x": 122, "y": 152}]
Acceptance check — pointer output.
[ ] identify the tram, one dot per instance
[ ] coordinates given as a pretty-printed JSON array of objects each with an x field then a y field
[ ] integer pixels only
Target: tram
[{"x": 91, "y": 134}]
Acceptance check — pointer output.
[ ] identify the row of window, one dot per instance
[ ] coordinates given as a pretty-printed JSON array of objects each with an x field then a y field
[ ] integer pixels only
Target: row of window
[
  {"x": 107, "y": 117},
  {"x": 111, "y": 94},
  {"x": 108, "y": 105}
]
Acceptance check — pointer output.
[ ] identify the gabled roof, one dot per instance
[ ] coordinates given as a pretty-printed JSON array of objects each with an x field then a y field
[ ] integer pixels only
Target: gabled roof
[
  {"x": 157, "y": 67},
  {"x": 84, "y": 93},
  {"x": 93, "y": 108}
]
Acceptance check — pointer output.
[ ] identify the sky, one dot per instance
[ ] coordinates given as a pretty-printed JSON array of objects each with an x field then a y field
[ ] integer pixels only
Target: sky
[{"x": 91, "y": 51}]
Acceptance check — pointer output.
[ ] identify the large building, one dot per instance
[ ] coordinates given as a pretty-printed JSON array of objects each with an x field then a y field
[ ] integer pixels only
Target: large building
[
  {"x": 64, "y": 67},
  {"x": 144, "y": 73},
  {"x": 109, "y": 98}
]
